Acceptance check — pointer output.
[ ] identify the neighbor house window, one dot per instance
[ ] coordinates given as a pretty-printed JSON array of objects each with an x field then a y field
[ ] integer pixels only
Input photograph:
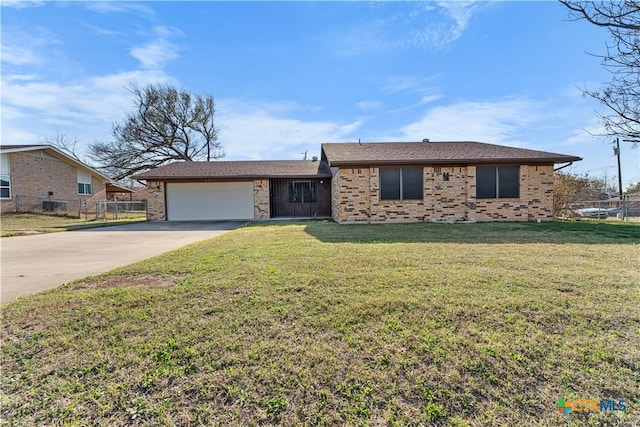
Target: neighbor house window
[
  {"x": 498, "y": 182},
  {"x": 401, "y": 184},
  {"x": 84, "y": 183},
  {"x": 5, "y": 178},
  {"x": 302, "y": 192},
  {"x": 5, "y": 187}
]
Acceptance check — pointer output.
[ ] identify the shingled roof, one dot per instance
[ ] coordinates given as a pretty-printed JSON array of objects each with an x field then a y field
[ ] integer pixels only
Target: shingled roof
[
  {"x": 460, "y": 152},
  {"x": 238, "y": 170}
]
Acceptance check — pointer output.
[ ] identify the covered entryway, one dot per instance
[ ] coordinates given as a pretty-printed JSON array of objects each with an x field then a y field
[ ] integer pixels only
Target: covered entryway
[
  {"x": 300, "y": 198},
  {"x": 193, "y": 201}
]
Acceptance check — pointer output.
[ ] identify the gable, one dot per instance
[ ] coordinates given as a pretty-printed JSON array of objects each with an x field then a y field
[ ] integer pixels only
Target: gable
[{"x": 50, "y": 152}]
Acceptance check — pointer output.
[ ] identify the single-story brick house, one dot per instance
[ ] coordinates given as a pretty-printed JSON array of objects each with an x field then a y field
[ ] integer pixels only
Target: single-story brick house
[
  {"x": 364, "y": 182},
  {"x": 43, "y": 178}
]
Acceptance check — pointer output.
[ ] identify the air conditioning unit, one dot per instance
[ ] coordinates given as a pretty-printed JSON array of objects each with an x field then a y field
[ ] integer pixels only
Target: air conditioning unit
[{"x": 52, "y": 206}]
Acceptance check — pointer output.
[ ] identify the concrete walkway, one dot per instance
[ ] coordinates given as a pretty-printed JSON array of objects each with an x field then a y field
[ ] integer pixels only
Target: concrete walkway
[{"x": 31, "y": 264}]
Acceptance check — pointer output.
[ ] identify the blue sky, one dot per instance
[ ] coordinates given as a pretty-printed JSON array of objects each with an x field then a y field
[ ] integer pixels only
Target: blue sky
[{"x": 288, "y": 76}]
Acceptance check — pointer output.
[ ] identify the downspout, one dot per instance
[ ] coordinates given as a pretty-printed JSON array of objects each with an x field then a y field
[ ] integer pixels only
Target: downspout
[{"x": 370, "y": 196}]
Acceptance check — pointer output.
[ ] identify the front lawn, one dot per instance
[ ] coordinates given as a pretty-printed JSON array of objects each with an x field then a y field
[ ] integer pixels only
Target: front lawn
[
  {"x": 27, "y": 223},
  {"x": 321, "y": 324}
]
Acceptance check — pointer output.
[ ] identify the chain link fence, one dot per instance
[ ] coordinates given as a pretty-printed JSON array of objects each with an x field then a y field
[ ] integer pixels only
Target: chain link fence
[
  {"x": 586, "y": 207},
  {"x": 84, "y": 209},
  {"x": 64, "y": 207},
  {"x": 112, "y": 210}
]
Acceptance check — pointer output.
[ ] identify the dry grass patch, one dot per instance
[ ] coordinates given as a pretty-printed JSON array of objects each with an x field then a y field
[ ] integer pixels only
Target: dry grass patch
[
  {"x": 150, "y": 281},
  {"x": 322, "y": 324}
]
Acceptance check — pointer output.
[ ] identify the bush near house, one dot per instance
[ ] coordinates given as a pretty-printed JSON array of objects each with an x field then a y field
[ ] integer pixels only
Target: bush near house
[{"x": 321, "y": 324}]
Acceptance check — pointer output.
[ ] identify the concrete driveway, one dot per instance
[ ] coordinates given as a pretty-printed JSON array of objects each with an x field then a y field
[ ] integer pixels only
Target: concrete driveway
[{"x": 31, "y": 264}]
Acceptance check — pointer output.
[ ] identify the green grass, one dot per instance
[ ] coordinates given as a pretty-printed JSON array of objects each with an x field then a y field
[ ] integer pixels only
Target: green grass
[
  {"x": 25, "y": 223},
  {"x": 322, "y": 324}
]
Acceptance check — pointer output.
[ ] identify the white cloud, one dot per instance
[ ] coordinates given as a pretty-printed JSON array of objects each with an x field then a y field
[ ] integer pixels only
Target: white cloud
[
  {"x": 83, "y": 109},
  {"x": 399, "y": 26},
  {"x": 119, "y": 7},
  {"x": 21, "y": 4},
  {"x": 103, "y": 31},
  {"x": 250, "y": 130},
  {"x": 427, "y": 99},
  {"x": 461, "y": 12},
  {"x": 37, "y": 104},
  {"x": 369, "y": 105},
  {"x": 17, "y": 55},
  {"x": 410, "y": 83},
  {"x": 22, "y": 48},
  {"x": 156, "y": 53},
  {"x": 500, "y": 122}
]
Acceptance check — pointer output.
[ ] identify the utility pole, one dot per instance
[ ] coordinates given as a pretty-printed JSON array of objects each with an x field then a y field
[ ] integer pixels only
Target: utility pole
[{"x": 616, "y": 151}]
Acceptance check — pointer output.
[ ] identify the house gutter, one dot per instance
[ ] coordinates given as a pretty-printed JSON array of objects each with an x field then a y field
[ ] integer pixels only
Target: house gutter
[
  {"x": 562, "y": 167},
  {"x": 483, "y": 161}
]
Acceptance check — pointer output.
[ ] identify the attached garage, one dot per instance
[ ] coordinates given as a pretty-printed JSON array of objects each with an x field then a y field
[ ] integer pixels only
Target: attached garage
[
  {"x": 238, "y": 190},
  {"x": 192, "y": 201}
]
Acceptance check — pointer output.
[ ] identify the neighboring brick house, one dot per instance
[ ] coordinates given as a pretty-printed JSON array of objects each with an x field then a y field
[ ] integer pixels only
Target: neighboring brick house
[
  {"x": 43, "y": 178},
  {"x": 368, "y": 182}
]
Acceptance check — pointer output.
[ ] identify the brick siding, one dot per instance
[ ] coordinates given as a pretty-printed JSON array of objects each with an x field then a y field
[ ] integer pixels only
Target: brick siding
[
  {"x": 449, "y": 195},
  {"x": 261, "y": 207},
  {"x": 33, "y": 177},
  {"x": 156, "y": 209}
]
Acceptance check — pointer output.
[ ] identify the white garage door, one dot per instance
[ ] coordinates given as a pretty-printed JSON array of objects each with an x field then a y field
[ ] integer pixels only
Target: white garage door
[{"x": 209, "y": 200}]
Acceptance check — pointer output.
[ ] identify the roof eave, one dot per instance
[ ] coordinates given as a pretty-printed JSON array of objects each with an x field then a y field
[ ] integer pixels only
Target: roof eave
[
  {"x": 60, "y": 153},
  {"x": 355, "y": 163},
  {"x": 228, "y": 178}
]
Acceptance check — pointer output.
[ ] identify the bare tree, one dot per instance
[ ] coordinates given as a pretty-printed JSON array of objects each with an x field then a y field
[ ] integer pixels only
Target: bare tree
[
  {"x": 621, "y": 95},
  {"x": 166, "y": 125},
  {"x": 63, "y": 143}
]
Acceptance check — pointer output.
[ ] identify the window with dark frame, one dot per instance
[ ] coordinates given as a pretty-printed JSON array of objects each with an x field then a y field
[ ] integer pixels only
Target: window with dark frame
[
  {"x": 401, "y": 183},
  {"x": 5, "y": 187},
  {"x": 498, "y": 182},
  {"x": 84, "y": 188},
  {"x": 302, "y": 192}
]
